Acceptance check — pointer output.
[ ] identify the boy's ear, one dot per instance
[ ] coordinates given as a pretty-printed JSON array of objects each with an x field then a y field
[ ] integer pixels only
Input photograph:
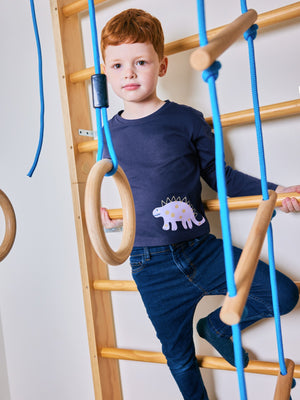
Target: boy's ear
[
  {"x": 103, "y": 69},
  {"x": 163, "y": 66}
]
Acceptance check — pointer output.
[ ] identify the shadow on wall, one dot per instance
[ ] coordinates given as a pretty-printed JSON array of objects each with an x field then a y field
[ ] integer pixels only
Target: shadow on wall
[{"x": 4, "y": 386}]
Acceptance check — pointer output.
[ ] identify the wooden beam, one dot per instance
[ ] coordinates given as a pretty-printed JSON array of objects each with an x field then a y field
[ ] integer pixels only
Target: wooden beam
[{"x": 76, "y": 114}]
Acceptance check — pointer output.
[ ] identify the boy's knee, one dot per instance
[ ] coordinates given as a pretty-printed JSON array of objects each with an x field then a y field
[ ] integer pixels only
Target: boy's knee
[
  {"x": 180, "y": 358},
  {"x": 182, "y": 365},
  {"x": 289, "y": 299}
]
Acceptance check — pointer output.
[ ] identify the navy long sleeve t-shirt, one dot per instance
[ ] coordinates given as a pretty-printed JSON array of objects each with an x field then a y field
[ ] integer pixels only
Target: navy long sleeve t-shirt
[{"x": 163, "y": 156}]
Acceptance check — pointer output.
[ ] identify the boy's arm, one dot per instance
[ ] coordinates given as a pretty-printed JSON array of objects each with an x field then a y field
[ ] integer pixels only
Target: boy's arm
[{"x": 289, "y": 204}]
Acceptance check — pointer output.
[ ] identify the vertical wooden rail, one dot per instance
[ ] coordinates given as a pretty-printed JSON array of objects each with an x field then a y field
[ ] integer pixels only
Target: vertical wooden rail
[{"x": 75, "y": 106}]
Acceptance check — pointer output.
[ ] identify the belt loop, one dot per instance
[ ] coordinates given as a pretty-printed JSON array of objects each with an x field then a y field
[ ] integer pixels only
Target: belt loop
[{"x": 146, "y": 253}]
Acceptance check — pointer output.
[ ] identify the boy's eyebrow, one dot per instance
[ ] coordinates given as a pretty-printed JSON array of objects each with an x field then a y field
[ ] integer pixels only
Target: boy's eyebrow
[{"x": 113, "y": 60}]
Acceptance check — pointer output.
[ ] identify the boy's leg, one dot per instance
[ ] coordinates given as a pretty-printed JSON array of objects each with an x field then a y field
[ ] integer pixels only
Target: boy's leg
[
  {"x": 202, "y": 261},
  {"x": 170, "y": 300},
  {"x": 259, "y": 304}
]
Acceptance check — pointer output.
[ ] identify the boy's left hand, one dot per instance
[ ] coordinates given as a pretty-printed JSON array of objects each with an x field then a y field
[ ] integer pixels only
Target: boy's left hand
[{"x": 289, "y": 204}]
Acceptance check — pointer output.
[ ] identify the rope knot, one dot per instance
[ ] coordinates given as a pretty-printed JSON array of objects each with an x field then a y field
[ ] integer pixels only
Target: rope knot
[
  {"x": 251, "y": 32},
  {"x": 212, "y": 71}
]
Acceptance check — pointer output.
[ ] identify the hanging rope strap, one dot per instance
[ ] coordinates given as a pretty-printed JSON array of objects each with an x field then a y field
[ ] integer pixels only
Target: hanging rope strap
[
  {"x": 42, "y": 102},
  {"x": 210, "y": 75},
  {"x": 105, "y": 167},
  {"x": 209, "y": 54},
  {"x": 250, "y": 35},
  {"x": 100, "y": 97}
]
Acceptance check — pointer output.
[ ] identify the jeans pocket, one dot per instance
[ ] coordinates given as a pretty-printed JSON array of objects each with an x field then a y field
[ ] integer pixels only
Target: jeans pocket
[{"x": 136, "y": 263}]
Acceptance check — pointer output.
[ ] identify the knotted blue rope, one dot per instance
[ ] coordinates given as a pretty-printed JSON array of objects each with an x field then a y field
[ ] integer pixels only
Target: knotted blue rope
[
  {"x": 249, "y": 37},
  {"x": 41, "y": 90},
  {"x": 101, "y": 112},
  {"x": 210, "y": 75}
]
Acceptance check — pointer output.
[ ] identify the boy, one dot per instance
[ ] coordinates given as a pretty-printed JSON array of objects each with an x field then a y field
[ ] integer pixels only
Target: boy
[{"x": 164, "y": 148}]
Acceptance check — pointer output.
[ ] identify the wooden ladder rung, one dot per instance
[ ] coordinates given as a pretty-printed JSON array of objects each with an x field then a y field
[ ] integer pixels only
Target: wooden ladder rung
[
  {"x": 265, "y": 19},
  {"x": 254, "y": 367},
  {"x": 234, "y": 203},
  {"x": 126, "y": 285},
  {"x": 278, "y": 110},
  {"x": 78, "y": 6},
  {"x": 118, "y": 285}
]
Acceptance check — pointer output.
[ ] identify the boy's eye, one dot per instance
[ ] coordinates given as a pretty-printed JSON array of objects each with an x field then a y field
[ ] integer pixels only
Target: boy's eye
[
  {"x": 141, "y": 62},
  {"x": 116, "y": 66}
]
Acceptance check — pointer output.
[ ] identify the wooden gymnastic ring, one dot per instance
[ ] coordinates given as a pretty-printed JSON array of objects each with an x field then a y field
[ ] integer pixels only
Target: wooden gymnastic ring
[
  {"x": 10, "y": 225},
  {"x": 93, "y": 216}
]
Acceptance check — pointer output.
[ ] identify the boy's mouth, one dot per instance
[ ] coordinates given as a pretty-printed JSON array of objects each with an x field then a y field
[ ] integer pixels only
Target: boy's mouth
[{"x": 131, "y": 86}]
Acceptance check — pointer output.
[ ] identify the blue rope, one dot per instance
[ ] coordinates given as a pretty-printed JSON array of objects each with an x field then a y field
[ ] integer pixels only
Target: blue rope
[
  {"x": 250, "y": 35},
  {"x": 210, "y": 75},
  {"x": 42, "y": 103},
  {"x": 101, "y": 113}
]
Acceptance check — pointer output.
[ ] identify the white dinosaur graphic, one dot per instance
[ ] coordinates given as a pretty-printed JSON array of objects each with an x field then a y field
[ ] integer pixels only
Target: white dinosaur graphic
[{"x": 177, "y": 210}]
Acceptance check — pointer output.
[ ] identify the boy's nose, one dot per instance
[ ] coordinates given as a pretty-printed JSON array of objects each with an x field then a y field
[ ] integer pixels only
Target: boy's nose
[{"x": 130, "y": 73}]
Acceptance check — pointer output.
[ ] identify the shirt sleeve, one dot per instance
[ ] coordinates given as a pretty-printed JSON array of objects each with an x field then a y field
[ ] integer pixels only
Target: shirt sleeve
[{"x": 238, "y": 183}]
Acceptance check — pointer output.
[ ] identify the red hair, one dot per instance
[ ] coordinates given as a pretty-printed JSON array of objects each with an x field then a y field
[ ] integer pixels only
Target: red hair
[{"x": 133, "y": 26}]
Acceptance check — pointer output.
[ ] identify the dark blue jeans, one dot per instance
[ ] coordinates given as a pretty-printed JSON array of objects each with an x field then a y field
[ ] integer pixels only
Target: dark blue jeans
[{"x": 173, "y": 279}]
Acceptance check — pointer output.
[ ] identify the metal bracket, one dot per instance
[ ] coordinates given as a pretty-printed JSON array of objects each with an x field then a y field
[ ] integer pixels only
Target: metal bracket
[
  {"x": 109, "y": 230},
  {"x": 84, "y": 132}
]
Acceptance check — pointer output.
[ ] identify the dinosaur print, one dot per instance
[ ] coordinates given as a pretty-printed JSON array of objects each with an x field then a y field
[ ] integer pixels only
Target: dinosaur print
[{"x": 176, "y": 210}]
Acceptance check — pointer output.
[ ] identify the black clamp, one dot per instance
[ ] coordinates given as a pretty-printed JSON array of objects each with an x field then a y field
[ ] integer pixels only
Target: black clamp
[{"x": 99, "y": 91}]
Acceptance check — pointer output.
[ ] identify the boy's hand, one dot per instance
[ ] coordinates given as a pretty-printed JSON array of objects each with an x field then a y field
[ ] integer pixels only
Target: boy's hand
[
  {"x": 109, "y": 223},
  {"x": 289, "y": 204}
]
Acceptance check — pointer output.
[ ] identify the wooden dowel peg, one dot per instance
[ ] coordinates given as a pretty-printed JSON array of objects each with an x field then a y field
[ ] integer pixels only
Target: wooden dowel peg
[
  {"x": 204, "y": 56},
  {"x": 233, "y": 307},
  {"x": 284, "y": 382},
  {"x": 10, "y": 225}
]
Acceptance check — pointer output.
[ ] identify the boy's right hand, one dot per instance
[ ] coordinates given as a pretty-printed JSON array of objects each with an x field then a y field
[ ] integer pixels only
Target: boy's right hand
[{"x": 109, "y": 223}]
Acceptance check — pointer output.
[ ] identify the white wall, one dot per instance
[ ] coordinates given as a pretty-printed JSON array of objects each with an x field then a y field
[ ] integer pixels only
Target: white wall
[{"x": 43, "y": 341}]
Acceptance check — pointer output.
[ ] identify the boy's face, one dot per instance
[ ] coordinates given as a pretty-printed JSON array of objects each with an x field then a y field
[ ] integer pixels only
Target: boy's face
[{"x": 132, "y": 69}]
